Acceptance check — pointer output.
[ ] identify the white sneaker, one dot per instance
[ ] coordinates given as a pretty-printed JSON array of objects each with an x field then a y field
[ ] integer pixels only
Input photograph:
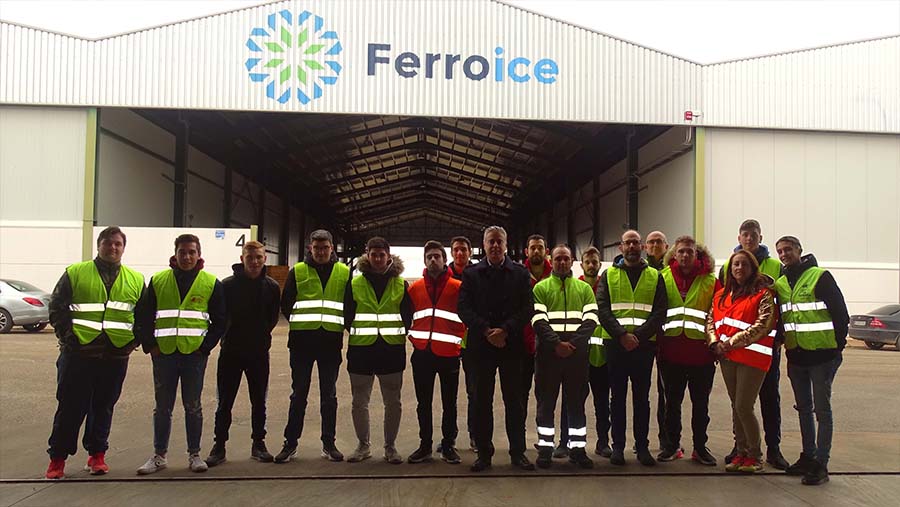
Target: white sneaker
[
  {"x": 153, "y": 465},
  {"x": 197, "y": 464}
]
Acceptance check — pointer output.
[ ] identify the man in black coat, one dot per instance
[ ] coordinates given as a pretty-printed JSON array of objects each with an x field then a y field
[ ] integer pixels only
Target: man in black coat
[
  {"x": 495, "y": 303},
  {"x": 252, "y": 299}
]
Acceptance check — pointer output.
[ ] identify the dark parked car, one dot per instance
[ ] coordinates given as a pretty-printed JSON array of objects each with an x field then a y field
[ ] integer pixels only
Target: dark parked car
[
  {"x": 879, "y": 327},
  {"x": 23, "y": 304}
]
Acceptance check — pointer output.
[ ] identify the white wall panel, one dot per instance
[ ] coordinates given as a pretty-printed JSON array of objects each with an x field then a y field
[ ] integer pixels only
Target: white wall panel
[{"x": 38, "y": 252}]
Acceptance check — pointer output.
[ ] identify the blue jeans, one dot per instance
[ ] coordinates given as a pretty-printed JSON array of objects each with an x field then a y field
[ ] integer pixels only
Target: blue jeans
[
  {"x": 167, "y": 370},
  {"x": 812, "y": 392}
]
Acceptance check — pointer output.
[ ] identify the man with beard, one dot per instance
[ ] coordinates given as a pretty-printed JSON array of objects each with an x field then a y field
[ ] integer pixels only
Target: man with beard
[
  {"x": 631, "y": 297},
  {"x": 598, "y": 375}
]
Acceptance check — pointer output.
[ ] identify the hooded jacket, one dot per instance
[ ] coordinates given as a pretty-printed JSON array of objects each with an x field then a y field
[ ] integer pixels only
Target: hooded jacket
[
  {"x": 380, "y": 357},
  {"x": 252, "y": 305},
  {"x": 145, "y": 315},
  {"x": 827, "y": 291},
  {"x": 304, "y": 337},
  {"x": 681, "y": 350},
  {"x": 645, "y": 331}
]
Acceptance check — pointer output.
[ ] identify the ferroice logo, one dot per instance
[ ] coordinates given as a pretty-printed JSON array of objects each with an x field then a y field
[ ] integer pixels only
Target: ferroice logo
[{"x": 293, "y": 54}]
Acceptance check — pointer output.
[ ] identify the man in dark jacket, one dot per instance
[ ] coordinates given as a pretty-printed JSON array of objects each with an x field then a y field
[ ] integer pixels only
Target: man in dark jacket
[
  {"x": 181, "y": 317},
  {"x": 495, "y": 303},
  {"x": 252, "y": 300},
  {"x": 315, "y": 312},
  {"x": 815, "y": 338},
  {"x": 93, "y": 323},
  {"x": 630, "y": 346}
]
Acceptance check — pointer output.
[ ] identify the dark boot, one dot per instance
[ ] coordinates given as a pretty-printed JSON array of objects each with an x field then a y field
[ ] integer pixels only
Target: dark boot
[
  {"x": 774, "y": 458},
  {"x": 802, "y": 466},
  {"x": 331, "y": 452},
  {"x": 545, "y": 458},
  {"x": 817, "y": 474},
  {"x": 580, "y": 458},
  {"x": 260, "y": 453}
]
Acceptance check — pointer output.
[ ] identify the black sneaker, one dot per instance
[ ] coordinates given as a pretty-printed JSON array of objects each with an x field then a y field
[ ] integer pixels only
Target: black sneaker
[
  {"x": 260, "y": 453},
  {"x": 216, "y": 455},
  {"x": 817, "y": 474},
  {"x": 420, "y": 455},
  {"x": 802, "y": 466},
  {"x": 774, "y": 458},
  {"x": 331, "y": 453},
  {"x": 603, "y": 450},
  {"x": 561, "y": 451},
  {"x": 580, "y": 458},
  {"x": 544, "y": 459},
  {"x": 287, "y": 452},
  {"x": 644, "y": 457},
  {"x": 617, "y": 458},
  {"x": 703, "y": 456},
  {"x": 449, "y": 455},
  {"x": 481, "y": 464},
  {"x": 522, "y": 462}
]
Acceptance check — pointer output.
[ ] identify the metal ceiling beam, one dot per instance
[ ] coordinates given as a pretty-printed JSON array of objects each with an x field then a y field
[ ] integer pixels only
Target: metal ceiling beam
[{"x": 488, "y": 140}]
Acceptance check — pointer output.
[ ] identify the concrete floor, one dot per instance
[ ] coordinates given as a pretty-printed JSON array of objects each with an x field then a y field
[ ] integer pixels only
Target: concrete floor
[{"x": 865, "y": 459}]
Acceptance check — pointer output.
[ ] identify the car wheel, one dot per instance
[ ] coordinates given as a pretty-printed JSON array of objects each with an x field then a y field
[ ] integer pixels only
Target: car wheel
[
  {"x": 874, "y": 345},
  {"x": 6, "y": 321},
  {"x": 897, "y": 343},
  {"x": 34, "y": 328}
]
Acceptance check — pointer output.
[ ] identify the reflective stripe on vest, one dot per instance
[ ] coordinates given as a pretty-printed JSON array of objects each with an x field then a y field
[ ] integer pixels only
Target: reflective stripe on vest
[
  {"x": 736, "y": 316},
  {"x": 436, "y": 324},
  {"x": 807, "y": 321},
  {"x": 181, "y": 324},
  {"x": 688, "y": 316},
  {"x": 374, "y": 317},
  {"x": 315, "y": 308},
  {"x": 94, "y": 311},
  {"x": 631, "y": 307},
  {"x": 565, "y": 304}
]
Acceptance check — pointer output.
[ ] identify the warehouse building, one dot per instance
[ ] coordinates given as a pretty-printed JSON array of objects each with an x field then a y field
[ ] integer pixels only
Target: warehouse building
[{"x": 418, "y": 120}]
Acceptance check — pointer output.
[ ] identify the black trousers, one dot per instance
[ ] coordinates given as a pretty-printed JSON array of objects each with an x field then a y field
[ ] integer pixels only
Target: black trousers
[
  {"x": 598, "y": 378},
  {"x": 487, "y": 364},
  {"x": 85, "y": 387},
  {"x": 770, "y": 403},
  {"x": 571, "y": 373},
  {"x": 662, "y": 434},
  {"x": 699, "y": 382},
  {"x": 425, "y": 366},
  {"x": 527, "y": 380},
  {"x": 635, "y": 366},
  {"x": 231, "y": 367},
  {"x": 328, "y": 358},
  {"x": 469, "y": 374}
]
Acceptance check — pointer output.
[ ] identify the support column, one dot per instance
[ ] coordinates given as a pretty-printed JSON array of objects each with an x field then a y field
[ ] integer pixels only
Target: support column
[
  {"x": 596, "y": 225},
  {"x": 182, "y": 148},
  {"x": 229, "y": 196},
  {"x": 261, "y": 214},
  {"x": 284, "y": 239},
  {"x": 301, "y": 230},
  {"x": 631, "y": 180},
  {"x": 571, "y": 234}
]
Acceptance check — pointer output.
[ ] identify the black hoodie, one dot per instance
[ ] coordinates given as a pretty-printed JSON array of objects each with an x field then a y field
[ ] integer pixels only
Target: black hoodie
[
  {"x": 252, "y": 312},
  {"x": 827, "y": 291}
]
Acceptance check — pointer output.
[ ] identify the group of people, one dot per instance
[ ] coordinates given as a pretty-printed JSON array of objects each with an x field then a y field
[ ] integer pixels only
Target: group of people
[{"x": 532, "y": 323}]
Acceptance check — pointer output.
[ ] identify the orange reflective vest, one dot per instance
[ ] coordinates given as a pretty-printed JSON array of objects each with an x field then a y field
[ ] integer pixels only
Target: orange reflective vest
[
  {"x": 735, "y": 316},
  {"x": 436, "y": 324}
]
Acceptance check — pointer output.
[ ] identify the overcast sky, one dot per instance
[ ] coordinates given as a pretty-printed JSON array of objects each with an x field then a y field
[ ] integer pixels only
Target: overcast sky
[{"x": 700, "y": 30}]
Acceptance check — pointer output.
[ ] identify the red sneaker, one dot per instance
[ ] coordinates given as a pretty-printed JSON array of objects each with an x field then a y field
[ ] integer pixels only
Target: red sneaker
[
  {"x": 57, "y": 467},
  {"x": 97, "y": 464}
]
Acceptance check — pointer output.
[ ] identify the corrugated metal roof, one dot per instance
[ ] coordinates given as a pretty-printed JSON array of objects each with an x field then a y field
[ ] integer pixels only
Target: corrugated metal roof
[{"x": 211, "y": 63}]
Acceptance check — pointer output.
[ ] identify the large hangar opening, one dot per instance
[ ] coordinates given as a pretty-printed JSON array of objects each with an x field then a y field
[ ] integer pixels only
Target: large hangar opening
[{"x": 406, "y": 178}]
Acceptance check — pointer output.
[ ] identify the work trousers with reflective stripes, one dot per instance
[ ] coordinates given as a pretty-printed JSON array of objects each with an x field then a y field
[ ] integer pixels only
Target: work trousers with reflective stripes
[
  {"x": 572, "y": 375},
  {"x": 743, "y": 383},
  {"x": 425, "y": 366},
  {"x": 361, "y": 389},
  {"x": 231, "y": 367},
  {"x": 635, "y": 366},
  {"x": 699, "y": 382},
  {"x": 487, "y": 362},
  {"x": 599, "y": 381},
  {"x": 326, "y": 356},
  {"x": 85, "y": 387}
]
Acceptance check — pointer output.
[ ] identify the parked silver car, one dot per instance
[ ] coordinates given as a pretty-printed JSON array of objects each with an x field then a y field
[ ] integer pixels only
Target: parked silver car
[{"x": 23, "y": 304}]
